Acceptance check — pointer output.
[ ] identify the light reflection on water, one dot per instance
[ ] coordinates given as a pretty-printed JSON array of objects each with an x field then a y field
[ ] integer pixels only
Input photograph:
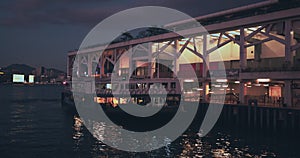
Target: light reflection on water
[{"x": 190, "y": 144}]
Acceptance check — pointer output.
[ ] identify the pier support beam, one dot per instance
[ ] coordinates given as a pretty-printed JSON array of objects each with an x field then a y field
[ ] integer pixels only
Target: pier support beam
[
  {"x": 287, "y": 93},
  {"x": 242, "y": 92}
]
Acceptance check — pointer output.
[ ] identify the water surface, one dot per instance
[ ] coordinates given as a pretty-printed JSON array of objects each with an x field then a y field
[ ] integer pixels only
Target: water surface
[{"x": 34, "y": 125}]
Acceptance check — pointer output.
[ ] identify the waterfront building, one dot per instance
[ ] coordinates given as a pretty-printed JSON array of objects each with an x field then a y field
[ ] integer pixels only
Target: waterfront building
[{"x": 259, "y": 44}]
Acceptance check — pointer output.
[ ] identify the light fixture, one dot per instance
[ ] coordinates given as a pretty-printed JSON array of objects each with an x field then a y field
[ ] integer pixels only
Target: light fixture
[
  {"x": 234, "y": 33},
  {"x": 217, "y": 35},
  {"x": 225, "y": 85},
  {"x": 181, "y": 42},
  {"x": 236, "y": 82},
  {"x": 263, "y": 80},
  {"x": 221, "y": 80},
  {"x": 188, "y": 80}
]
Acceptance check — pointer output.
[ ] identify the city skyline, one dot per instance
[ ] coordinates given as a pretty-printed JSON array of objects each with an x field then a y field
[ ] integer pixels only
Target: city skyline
[{"x": 40, "y": 33}]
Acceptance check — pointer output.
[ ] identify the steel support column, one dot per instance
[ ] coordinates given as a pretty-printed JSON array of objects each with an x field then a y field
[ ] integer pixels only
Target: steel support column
[
  {"x": 288, "y": 38},
  {"x": 243, "y": 50}
]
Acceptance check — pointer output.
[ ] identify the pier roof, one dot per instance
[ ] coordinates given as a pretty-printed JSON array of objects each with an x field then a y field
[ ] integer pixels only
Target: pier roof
[{"x": 247, "y": 16}]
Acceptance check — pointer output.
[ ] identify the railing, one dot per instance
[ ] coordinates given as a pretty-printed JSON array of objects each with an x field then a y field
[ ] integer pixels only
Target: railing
[
  {"x": 269, "y": 69},
  {"x": 134, "y": 91}
]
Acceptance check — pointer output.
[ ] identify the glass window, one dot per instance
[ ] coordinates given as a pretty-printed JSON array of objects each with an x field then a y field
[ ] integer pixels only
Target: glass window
[
  {"x": 173, "y": 85},
  {"x": 165, "y": 85}
]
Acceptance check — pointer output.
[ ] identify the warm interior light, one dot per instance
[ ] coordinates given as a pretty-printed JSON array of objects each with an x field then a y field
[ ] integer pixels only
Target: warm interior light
[
  {"x": 237, "y": 82},
  {"x": 263, "y": 80},
  {"x": 188, "y": 80},
  {"x": 225, "y": 85},
  {"x": 221, "y": 80}
]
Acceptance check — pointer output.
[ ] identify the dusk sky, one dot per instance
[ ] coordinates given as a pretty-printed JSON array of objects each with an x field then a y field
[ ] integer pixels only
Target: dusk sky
[{"x": 41, "y": 32}]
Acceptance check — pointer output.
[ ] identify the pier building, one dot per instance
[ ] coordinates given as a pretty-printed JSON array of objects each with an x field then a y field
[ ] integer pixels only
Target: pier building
[{"x": 259, "y": 45}]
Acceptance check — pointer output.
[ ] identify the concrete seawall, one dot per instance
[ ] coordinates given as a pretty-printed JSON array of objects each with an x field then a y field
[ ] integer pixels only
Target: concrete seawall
[{"x": 245, "y": 116}]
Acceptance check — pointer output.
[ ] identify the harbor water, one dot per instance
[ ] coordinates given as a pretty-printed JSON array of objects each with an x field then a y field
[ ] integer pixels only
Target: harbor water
[{"x": 33, "y": 124}]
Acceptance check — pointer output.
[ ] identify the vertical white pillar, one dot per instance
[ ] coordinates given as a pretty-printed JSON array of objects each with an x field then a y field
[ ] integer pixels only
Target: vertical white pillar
[
  {"x": 115, "y": 60},
  {"x": 150, "y": 60},
  {"x": 205, "y": 63},
  {"x": 243, "y": 50},
  {"x": 90, "y": 65},
  {"x": 176, "y": 48},
  {"x": 79, "y": 63},
  {"x": 102, "y": 63},
  {"x": 157, "y": 73},
  {"x": 130, "y": 58},
  {"x": 68, "y": 65},
  {"x": 76, "y": 65}
]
